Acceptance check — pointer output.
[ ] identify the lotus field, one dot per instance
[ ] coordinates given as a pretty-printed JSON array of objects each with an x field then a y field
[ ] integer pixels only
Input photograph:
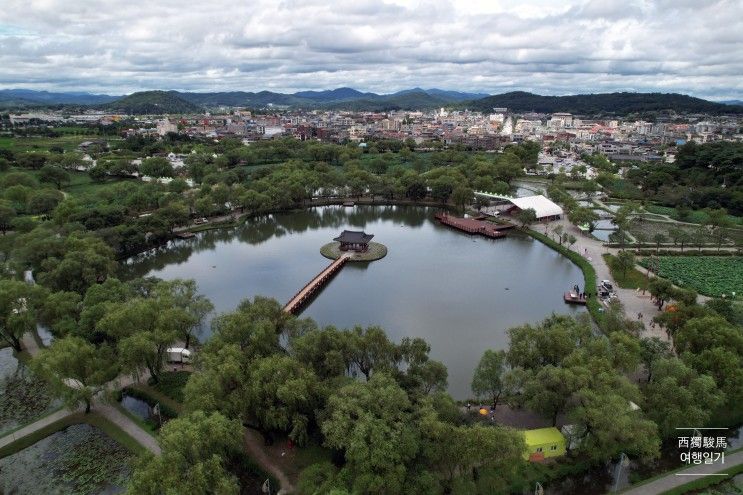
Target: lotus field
[{"x": 708, "y": 275}]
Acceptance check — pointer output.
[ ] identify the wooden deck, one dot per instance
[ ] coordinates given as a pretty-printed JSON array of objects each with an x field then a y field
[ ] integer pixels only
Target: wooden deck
[
  {"x": 306, "y": 292},
  {"x": 573, "y": 298},
  {"x": 474, "y": 226}
]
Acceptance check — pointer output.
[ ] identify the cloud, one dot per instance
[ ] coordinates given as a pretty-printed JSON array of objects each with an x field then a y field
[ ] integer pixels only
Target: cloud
[{"x": 120, "y": 46}]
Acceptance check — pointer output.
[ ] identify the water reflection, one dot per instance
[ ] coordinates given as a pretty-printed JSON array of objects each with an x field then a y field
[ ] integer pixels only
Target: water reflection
[{"x": 458, "y": 292}]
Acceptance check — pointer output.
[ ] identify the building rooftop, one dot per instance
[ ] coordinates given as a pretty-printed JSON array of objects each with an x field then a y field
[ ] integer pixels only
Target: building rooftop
[
  {"x": 542, "y": 436},
  {"x": 354, "y": 237}
]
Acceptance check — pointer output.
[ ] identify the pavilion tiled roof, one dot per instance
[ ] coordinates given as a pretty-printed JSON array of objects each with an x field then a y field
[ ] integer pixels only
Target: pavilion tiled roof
[{"x": 354, "y": 237}]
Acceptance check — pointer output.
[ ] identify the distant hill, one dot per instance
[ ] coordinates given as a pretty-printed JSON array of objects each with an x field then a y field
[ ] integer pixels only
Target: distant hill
[
  {"x": 159, "y": 102},
  {"x": 600, "y": 103},
  {"x": 334, "y": 95},
  {"x": 152, "y": 102},
  {"x": 448, "y": 95},
  {"x": 28, "y": 97},
  {"x": 403, "y": 100}
]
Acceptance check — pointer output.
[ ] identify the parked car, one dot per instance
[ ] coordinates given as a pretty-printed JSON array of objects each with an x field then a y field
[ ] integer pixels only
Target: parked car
[{"x": 605, "y": 284}]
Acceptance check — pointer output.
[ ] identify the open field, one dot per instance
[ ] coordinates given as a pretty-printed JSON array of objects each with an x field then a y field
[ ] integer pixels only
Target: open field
[
  {"x": 80, "y": 182},
  {"x": 41, "y": 144}
]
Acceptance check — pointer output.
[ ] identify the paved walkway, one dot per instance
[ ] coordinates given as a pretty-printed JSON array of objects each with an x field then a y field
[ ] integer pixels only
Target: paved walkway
[
  {"x": 36, "y": 426},
  {"x": 679, "y": 478},
  {"x": 254, "y": 445},
  {"x": 125, "y": 423},
  {"x": 99, "y": 405},
  {"x": 634, "y": 302}
]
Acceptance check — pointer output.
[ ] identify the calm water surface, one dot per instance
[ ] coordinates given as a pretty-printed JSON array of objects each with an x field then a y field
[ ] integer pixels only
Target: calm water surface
[{"x": 460, "y": 293}]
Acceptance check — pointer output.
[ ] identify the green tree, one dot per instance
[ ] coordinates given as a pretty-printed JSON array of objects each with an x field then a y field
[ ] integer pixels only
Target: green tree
[
  {"x": 184, "y": 294},
  {"x": 43, "y": 201},
  {"x": 583, "y": 216},
  {"x": 551, "y": 389},
  {"x": 18, "y": 306},
  {"x": 625, "y": 261},
  {"x": 718, "y": 224},
  {"x": 677, "y": 396},
  {"x": 605, "y": 424},
  {"x": 661, "y": 290},
  {"x": 156, "y": 167},
  {"x": 282, "y": 396},
  {"x": 526, "y": 217},
  {"x": 658, "y": 238},
  {"x": 652, "y": 350},
  {"x": 77, "y": 369},
  {"x": 488, "y": 378},
  {"x": 196, "y": 452},
  {"x": 461, "y": 196},
  {"x": 143, "y": 330},
  {"x": 7, "y": 215},
  {"x": 54, "y": 175},
  {"x": 371, "y": 350},
  {"x": 372, "y": 423},
  {"x": 61, "y": 311}
]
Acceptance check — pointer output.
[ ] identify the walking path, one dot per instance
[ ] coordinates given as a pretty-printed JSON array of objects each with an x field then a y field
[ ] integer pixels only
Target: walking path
[
  {"x": 680, "y": 478},
  {"x": 36, "y": 426},
  {"x": 634, "y": 302},
  {"x": 125, "y": 423},
  {"x": 254, "y": 445},
  {"x": 99, "y": 405}
]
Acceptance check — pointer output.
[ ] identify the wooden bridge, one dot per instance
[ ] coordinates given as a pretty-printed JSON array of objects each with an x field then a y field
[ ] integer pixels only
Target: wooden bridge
[{"x": 309, "y": 290}]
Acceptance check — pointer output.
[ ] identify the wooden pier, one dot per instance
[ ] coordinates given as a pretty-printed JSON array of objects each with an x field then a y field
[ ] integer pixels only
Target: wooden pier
[
  {"x": 573, "y": 298},
  {"x": 309, "y": 290},
  {"x": 474, "y": 226}
]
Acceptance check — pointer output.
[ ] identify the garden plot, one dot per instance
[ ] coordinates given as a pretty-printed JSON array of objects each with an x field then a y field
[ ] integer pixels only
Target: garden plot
[
  {"x": 708, "y": 275},
  {"x": 648, "y": 229}
]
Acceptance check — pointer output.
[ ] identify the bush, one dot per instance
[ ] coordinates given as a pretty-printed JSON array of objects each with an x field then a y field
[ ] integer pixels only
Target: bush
[{"x": 171, "y": 383}]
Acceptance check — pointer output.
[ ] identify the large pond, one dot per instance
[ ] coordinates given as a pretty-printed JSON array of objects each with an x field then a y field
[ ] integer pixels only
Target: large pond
[
  {"x": 458, "y": 292},
  {"x": 80, "y": 459}
]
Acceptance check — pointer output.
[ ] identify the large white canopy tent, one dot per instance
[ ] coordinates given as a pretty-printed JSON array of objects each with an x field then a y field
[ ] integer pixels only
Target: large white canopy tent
[{"x": 542, "y": 206}]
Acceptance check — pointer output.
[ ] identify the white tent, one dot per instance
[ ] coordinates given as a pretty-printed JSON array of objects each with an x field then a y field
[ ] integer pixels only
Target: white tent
[{"x": 543, "y": 207}]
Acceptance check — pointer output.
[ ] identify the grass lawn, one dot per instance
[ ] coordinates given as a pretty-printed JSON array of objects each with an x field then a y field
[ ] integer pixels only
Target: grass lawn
[
  {"x": 41, "y": 144},
  {"x": 632, "y": 279},
  {"x": 80, "y": 182}
]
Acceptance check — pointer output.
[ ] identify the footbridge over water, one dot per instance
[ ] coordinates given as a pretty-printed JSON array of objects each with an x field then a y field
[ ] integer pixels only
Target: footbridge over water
[{"x": 309, "y": 290}]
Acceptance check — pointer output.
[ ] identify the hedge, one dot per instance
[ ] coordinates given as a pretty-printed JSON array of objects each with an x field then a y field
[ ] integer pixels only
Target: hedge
[{"x": 589, "y": 274}]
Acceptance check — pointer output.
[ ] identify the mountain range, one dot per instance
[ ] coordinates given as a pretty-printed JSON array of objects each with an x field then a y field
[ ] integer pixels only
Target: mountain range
[{"x": 174, "y": 102}]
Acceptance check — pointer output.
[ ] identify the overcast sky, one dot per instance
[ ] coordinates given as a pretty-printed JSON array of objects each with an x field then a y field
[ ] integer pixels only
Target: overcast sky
[{"x": 544, "y": 46}]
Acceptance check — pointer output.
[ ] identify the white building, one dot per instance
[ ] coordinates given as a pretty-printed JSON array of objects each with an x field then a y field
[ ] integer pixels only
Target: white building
[{"x": 165, "y": 126}]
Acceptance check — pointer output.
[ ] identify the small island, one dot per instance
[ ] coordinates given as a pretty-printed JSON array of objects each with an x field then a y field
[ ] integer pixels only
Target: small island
[{"x": 357, "y": 243}]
